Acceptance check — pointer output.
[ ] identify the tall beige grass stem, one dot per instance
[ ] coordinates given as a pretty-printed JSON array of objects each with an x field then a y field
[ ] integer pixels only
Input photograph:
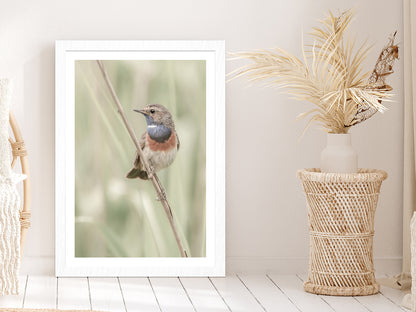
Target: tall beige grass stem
[{"x": 152, "y": 175}]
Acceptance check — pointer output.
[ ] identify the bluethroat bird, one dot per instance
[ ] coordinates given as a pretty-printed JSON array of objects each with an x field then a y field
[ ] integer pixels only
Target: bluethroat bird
[{"x": 159, "y": 142}]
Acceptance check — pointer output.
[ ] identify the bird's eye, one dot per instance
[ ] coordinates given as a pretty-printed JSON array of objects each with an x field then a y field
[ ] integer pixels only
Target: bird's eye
[{"x": 152, "y": 111}]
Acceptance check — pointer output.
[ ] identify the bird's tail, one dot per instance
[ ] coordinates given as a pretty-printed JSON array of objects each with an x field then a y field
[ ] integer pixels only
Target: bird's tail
[{"x": 137, "y": 173}]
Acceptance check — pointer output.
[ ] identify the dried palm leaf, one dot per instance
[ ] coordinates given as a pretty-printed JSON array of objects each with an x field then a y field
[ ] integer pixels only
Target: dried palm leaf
[{"x": 330, "y": 75}]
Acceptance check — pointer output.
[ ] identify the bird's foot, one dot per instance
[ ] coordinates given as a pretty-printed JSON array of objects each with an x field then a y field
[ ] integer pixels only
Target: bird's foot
[
  {"x": 161, "y": 195},
  {"x": 151, "y": 172}
]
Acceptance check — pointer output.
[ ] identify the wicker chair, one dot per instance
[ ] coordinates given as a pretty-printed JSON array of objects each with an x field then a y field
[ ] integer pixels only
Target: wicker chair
[{"x": 19, "y": 152}]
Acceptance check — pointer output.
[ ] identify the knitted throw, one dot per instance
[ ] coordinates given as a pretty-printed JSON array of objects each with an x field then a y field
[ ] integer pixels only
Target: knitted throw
[{"x": 9, "y": 202}]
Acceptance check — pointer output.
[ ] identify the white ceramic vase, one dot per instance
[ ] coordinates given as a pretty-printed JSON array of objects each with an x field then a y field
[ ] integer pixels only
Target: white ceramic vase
[{"x": 339, "y": 156}]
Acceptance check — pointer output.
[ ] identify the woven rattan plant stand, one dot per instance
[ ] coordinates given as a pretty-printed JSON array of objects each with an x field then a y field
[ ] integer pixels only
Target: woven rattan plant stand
[{"x": 341, "y": 208}]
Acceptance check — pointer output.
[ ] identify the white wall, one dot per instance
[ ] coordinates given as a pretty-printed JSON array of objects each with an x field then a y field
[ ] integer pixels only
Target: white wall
[{"x": 266, "y": 215}]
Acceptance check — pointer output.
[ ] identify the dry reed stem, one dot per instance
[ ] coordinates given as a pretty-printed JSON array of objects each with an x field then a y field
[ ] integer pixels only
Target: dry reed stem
[{"x": 152, "y": 175}]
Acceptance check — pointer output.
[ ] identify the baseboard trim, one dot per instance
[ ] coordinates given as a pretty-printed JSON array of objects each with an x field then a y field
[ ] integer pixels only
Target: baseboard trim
[
  {"x": 46, "y": 265},
  {"x": 391, "y": 265},
  {"x": 37, "y": 265}
]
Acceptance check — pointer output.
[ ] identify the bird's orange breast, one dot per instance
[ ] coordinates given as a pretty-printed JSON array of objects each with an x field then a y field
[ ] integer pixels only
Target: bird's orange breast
[{"x": 161, "y": 146}]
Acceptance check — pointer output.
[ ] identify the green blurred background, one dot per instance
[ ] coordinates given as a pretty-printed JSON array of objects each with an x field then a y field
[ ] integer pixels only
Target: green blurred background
[{"x": 118, "y": 217}]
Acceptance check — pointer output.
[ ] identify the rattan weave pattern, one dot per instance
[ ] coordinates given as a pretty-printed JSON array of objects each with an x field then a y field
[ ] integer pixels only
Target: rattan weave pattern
[{"x": 341, "y": 209}]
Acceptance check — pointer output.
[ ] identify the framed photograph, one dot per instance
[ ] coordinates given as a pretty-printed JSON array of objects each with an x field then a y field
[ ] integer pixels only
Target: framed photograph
[{"x": 140, "y": 158}]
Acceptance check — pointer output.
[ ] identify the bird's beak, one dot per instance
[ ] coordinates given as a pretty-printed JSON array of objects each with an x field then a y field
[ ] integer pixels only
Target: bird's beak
[{"x": 141, "y": 111}]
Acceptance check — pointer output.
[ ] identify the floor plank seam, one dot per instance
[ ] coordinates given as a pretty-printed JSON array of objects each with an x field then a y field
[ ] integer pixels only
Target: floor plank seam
[
  {"x": 397, "y": 305},
  {"x": 228, "y": 307},
  {"x": 56, "y": 293},
  {"x": 24, "y": 293},
  {"x": 122, "y": 294},
  {"x": 251, "y": 293},
  {"x": 356, "y": 299},
  {"x": 89, "y": 292},
  {"x": 323, "y": 299},
  {"x": 186, "y": 292},
  {"x": 290, "y": 299},
  {"x": 24, "y": 299},
  {"x": 154, "y": 294}
]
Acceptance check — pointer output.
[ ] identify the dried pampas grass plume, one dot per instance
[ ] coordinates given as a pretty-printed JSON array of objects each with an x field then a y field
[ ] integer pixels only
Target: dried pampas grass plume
[{"x": 330, "y": 75}]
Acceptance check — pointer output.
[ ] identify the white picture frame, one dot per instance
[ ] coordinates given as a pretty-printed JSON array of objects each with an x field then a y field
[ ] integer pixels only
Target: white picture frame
[{"x": 67, "y": 52}]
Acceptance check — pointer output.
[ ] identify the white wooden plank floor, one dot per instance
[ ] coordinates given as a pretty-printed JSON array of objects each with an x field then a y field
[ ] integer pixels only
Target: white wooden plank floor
[{"x": 242, "y": 292}]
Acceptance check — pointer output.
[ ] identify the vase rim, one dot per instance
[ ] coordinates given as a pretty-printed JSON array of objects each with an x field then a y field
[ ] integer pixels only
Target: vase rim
[{"x": 338, "y": 139}]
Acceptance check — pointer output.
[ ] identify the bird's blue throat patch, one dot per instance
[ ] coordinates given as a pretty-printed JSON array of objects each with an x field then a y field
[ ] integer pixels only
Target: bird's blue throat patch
[
  {"x": 159, "y": 133},
  {"x": 149, "y": 120}
]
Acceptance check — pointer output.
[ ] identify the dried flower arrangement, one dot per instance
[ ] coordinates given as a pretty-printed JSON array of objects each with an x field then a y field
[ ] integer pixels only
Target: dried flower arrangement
[{"x": 330, "y": 76}]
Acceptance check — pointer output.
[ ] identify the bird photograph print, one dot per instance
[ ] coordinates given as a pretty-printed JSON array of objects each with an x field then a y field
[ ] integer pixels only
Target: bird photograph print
[{"x": 140, "y": 158}]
